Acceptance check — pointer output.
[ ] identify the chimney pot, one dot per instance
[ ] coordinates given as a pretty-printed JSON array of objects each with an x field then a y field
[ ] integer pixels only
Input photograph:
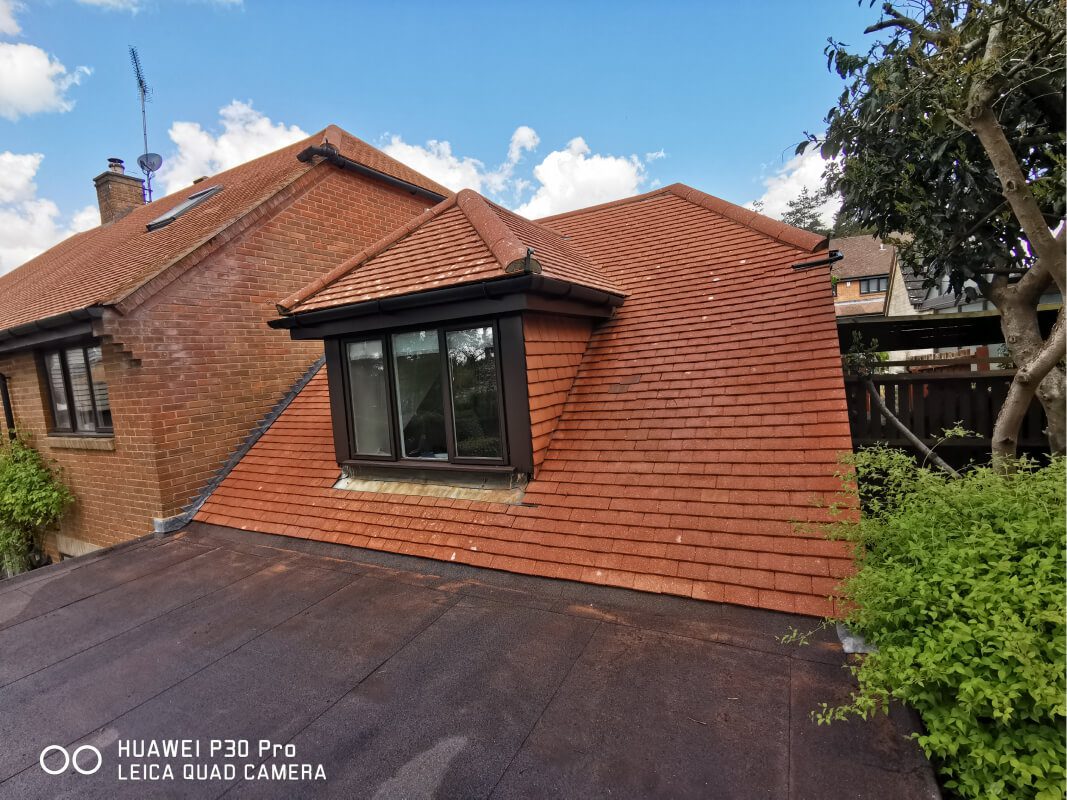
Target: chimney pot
[{"x": 116, "y": 165}]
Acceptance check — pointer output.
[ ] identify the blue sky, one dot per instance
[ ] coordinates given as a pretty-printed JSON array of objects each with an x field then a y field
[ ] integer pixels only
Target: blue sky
[{"x": 714, "y": 94}]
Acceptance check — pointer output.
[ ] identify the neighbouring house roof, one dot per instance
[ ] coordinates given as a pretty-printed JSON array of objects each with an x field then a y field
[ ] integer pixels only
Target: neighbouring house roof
[
  {"x": 851, "y": 308},
  {"x": 864, "y": 256},
  {"x": 915, "y": 285},
  {"x": 106, "y": 264},
  {"x": 464, "y": 239},
  {"x": 705, "y": 418}
]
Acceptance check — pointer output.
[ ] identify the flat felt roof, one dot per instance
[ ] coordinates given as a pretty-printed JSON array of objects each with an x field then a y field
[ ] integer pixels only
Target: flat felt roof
[{"x": 411, "y": 678}]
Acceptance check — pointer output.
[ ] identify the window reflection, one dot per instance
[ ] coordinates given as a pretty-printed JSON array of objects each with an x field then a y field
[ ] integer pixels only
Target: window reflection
[
  {"x": 420, "y": 403},
  {"x": 475, "y": 394},
  {"x": 370, "y": 398}
]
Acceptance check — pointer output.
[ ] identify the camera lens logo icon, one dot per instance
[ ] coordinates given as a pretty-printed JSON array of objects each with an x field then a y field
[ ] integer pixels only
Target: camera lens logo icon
[{"x": 76, "y": 759}]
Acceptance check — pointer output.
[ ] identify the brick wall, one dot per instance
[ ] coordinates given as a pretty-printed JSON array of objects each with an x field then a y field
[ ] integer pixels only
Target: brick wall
[
  {"x": 848, "y": 298},
  {"x": 554, "y": 349},
  {"x": 115, "y": 488},
  {"x": 194, "y": 366}
]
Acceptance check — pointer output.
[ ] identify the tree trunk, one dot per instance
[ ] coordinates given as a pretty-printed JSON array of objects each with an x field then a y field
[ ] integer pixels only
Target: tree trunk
[{"x": 1038, "y": 374}]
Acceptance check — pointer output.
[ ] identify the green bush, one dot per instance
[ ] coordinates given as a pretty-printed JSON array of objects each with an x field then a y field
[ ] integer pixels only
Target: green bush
[
  {"x": 960, "y": 586},
  {"x": 32, "y": 497}
]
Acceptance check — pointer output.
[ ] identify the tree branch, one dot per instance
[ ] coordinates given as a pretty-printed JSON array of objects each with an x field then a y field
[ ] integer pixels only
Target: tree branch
[
  {"x": 1033, "y": 284},
  {"x": 915, "y": 441},
  {"x": 1013, "y": 182},
  {"x": 916, "y": 28}
]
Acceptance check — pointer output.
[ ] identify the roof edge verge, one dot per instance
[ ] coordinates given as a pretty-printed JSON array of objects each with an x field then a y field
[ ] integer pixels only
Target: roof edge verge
[
  {"x": 502, "y": 242},
  {"x": 776, "y": 229}
]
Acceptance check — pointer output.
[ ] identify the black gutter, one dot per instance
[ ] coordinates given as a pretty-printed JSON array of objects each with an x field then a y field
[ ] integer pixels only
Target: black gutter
[
  {"x": 832, "y": 258},
  {"x": 53, "y": 322},
  {"x": 491, "y": 289},
  {"x": 330, "y": 154},
  {"x": 9, "y": 415}
]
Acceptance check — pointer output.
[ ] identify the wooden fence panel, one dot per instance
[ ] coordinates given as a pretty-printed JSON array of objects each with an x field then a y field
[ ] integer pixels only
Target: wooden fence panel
[{"x": 928, "y": 403}]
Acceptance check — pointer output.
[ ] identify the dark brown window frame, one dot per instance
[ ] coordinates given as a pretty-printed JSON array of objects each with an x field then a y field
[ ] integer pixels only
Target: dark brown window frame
[
  {"x": 513, "y": 401},
  {"x": 865, "y": 282},
  {"x": 388, "y": 359},
  {"x": 98, "y": 430}
]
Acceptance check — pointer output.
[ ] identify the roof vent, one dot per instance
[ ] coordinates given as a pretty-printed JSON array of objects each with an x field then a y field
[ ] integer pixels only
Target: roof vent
[
  {"x": 189, "y": 203},
  {"x": 201, "y": 179}
]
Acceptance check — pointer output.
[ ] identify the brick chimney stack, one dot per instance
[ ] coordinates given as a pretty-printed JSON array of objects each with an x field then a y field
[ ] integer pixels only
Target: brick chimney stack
[{"x": 116, "y": 192}]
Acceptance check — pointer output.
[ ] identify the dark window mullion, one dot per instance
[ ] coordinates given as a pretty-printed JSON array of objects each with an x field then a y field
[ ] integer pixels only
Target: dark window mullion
[
  {"x": 393, "y": 412},
  {"x": 501, "y": 420},
  {"x": 92, "y": 388},
  {"x": 446, "y": 389},
  {"x": 72, "y": 409}
]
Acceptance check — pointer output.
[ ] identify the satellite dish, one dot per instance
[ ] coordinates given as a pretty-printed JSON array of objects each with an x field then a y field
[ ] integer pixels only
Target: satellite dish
[{"x": 150, "y": 162}]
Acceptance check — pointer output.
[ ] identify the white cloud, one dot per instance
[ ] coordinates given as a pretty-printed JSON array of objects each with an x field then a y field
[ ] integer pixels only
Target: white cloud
[
  {"x": 803, "y": 171},
  {"x": 436, "y": 160},
  {"x": 9, "y": 26},
  {"x": 17, "y": 172},
  {"x": 246, "y": 134},
  {"x": 30, "y": 224},
  {"x": 133, "y": 6},
  {"x": 564, "y": 180},
  {"x": 575, "y": 177},
  {"x": 32, "y": 82}
]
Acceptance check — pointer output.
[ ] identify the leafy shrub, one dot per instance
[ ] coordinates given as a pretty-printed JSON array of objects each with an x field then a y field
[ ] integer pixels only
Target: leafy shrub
[
  {"x": 960, "y": 585},
  {"x": 32, "y": 497}
]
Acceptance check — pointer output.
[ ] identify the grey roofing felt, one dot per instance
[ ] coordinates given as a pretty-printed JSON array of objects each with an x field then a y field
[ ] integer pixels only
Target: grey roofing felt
[{"x": 414, "y": 679}]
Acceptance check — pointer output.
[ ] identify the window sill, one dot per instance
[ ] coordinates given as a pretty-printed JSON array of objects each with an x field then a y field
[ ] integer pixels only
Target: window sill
[
  {"x": 74, "y": 442},
  {"x": 487, "y": 484}
]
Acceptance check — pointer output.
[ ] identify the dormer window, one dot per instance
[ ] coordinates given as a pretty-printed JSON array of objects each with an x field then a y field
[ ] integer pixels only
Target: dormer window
[
  {"x": 189, "y": 203},
  {"x": 426, "y": 395},
  {"x": 426, "y": 350}
]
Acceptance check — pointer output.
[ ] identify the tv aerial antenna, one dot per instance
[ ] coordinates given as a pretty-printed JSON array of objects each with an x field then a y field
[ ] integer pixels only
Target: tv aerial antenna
[{"x": 149, "y": 162}]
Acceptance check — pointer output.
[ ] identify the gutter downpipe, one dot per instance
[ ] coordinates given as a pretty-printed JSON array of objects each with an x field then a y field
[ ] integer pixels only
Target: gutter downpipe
[{"x": 9, "y": 414}]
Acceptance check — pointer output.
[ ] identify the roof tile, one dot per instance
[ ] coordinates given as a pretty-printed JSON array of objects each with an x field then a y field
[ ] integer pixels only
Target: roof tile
[
  {"x": 705, "y": 417},
  {"x": 106, "y": 264},
  {"x": 464, "y": 239}
]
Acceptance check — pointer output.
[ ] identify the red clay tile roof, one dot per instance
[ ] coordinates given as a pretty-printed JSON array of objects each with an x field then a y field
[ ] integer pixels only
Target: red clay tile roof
[
  {"x": 464, "y": 239},
  {"x": 704, "y": 419},
  {"x": 106, "y": 264},
  {"x": 864, "y": 256}
]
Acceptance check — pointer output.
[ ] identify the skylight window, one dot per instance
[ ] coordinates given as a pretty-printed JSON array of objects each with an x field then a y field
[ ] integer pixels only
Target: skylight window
[{"x": 191, "y": 202}]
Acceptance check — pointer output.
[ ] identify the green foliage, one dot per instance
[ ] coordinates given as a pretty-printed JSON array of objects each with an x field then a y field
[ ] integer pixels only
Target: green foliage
[
  {"x": 32, "y": 497},
  {"x": 906, "y": 159},
  {"x": 862, "y": 358},
  {"x": 960, "y": 585},
  {"x": 805, "y": 211}
]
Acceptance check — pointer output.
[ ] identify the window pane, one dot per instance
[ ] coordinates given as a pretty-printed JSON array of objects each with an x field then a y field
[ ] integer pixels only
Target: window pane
[
  {"x": 80, "y": 390},
  {"x": 60, "y": 409},
  {"x": 475, "y": 393},
  {"x": 103, "y": 402},
  {"x": 417, "y": 361},
  {"x": 370, "y": 398}
]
